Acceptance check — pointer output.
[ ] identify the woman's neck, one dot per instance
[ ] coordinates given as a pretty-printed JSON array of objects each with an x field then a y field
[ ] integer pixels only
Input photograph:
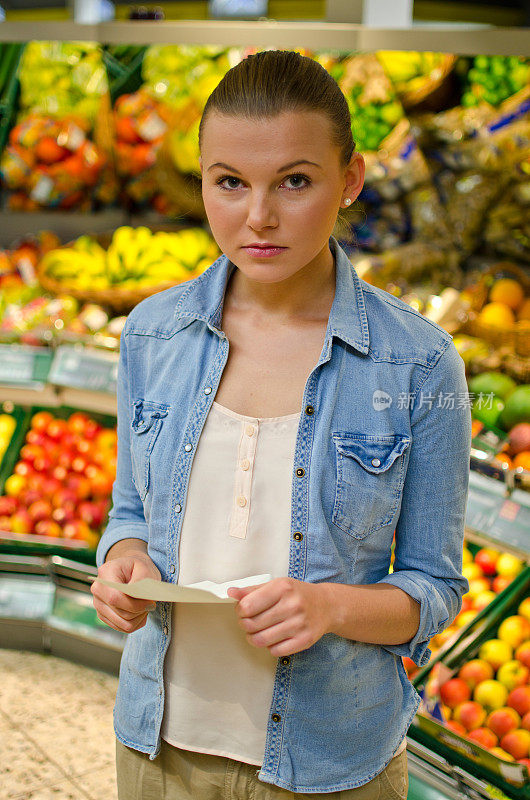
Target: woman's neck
[{"x": 306, "y": 295}]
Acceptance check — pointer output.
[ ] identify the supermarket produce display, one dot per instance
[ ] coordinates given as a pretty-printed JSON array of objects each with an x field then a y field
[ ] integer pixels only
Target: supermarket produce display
[{"x": 443, "y": 223}]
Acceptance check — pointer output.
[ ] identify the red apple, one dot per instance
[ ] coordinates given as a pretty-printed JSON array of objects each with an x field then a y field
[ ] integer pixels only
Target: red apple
[
  {"x": 56, "y": 429},
  {"x": 8, "y": 506},
  {"x": 30, "y": 452},
  {"x": 64, "y": 514},
  {"x": 47, "y": 527},
  {"x": 80, "y": 485},
  {"x": 59, "y": 473},
  {"x": 21, "y": 522},
  {"x": 519, "y": 699},
  {"x": 484, "y": 737},
  {"x": 475, "y": 671},
  {"x": 63, "y": 496},
  {"x": 41, "y": 420},
  {"x": 35, "y": 437},
  {"x": 454, "y": 691},
  {"x": 23, "y": 469},
  {"x": 456, "y": 727},
  {"x": 500, "y": 582},
  {"x": 525, "y": 722},
  {"x": 522, "y": 653},
  {"x": 470, "y": 714},
  {"x": 486, "y": 558},
  {"x": 517, "y": 743},
  {"x": 50, "y": 485},
  {"x": 77, "y": 529},
  {"x": 43, "y": 463},
  {"x": 41, "y": 509},
  {"x": 5, "y": 523},
  {"x": 524, "y": 608},
  {"x": 503, "y": 720}
]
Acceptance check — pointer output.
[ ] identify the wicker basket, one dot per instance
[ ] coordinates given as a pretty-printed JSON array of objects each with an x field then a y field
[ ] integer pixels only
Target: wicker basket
[
  {"x": 435, "y": 84},
  {"x": 183, "y": 191},
  {"x": 119, "y": 300}
]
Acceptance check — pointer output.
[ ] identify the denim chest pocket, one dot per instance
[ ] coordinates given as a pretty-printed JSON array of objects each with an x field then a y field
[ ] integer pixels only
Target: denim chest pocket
[
  {"x": 370, "y": 478},
  {"x": 145, "y": 427}
]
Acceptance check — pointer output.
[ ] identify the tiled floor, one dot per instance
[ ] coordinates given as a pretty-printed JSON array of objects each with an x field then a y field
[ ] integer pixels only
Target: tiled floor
[{"x": 56, "y": 735}]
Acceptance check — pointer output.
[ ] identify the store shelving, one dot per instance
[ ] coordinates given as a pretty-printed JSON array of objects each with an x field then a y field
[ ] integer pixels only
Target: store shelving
[{"x": 458, "y": 39}]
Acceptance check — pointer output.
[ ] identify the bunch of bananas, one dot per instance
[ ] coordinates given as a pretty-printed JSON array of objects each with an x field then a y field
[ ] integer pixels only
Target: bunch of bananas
[
  {"x": 135, "y": 258},
  {"x": 408, "y": 69}
]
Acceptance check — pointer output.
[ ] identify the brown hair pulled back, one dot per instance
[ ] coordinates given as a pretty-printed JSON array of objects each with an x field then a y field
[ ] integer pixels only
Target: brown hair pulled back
[{"x": 268, "y": 83}]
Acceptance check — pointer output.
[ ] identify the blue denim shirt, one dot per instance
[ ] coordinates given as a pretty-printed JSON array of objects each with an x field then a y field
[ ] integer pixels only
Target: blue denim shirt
[{"x": 383, "y": 444}]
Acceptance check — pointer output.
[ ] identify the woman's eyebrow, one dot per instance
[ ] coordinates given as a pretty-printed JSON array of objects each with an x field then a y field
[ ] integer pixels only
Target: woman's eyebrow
[{"x": 286, "y": 166}]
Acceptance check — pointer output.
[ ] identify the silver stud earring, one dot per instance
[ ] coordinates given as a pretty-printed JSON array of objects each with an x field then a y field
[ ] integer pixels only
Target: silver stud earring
[{"x": 347, "y": 201}]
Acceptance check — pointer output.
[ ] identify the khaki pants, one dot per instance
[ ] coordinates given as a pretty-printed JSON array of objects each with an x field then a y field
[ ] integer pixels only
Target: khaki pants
[{"x": 177, "y": 774}]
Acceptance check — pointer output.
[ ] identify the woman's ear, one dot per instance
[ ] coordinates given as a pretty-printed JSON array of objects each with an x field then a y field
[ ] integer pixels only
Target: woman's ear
[{"x": 354, "y": 176}]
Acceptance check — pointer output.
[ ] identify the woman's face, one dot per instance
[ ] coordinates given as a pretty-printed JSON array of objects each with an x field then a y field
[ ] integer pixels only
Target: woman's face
[{"x": 253, "y": 192}]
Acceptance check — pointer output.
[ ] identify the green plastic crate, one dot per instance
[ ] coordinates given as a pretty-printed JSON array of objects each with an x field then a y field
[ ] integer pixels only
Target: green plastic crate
[
  {"x": 471, "y": 757},
  {"x": 9, "y": 99},
  {"x": 123, "y": 78},
  {"x": 25, "y": 543}
]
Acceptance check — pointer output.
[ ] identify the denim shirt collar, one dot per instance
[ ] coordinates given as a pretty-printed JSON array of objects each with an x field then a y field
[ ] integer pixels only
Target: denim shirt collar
[{"x": 204, "y": 298}]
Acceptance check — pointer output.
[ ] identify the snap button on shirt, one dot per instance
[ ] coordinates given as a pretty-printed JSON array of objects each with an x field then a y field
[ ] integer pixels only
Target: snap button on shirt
[{"x": 376, "y": 462}]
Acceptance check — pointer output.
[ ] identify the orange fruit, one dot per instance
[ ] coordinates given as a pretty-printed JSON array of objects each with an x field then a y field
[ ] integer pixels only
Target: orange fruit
[
  {"x": 522, "y": 459},
  {"x": 504, "y": 459},
  {"x": 524, "y": 310},
  {"x": 508, "y": 291},
  {"x": 497, "y": 315}
]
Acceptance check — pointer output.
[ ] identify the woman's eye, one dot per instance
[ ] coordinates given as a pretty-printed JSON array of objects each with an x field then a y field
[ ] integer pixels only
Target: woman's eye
[
  {"x": 227, "y": 178},
  {"x": 296, "y": 177}
]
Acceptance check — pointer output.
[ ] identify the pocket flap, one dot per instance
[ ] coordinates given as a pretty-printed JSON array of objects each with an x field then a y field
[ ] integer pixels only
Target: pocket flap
[
  {"x": 145, "y": 413},
  {"x": 374, "y": 453}
]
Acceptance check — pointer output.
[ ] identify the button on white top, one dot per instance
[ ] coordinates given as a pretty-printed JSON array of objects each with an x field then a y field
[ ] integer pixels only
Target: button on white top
[
  {"x": 245, "y": 464},
  {"x": 249, "y": 430},
  {"x": 241, "y": 501},
  {"x": 187, "y": 448},
  {"x": 375, "y": 462}
]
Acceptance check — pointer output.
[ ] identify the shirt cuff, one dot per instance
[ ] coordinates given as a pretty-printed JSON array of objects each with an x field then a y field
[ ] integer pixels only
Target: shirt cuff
[
  {"x": 417, "y": 648},
  {"x": 115, "y": 533}
]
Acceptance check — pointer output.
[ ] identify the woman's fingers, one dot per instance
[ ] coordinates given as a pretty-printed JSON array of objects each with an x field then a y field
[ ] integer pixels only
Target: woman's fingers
[
  {"x": 119, "y": 601},
  {"x": 112, "y": 619}
]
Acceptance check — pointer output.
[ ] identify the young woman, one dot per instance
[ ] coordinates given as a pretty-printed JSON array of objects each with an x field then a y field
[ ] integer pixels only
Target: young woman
[{"x": 279, "y": 415}]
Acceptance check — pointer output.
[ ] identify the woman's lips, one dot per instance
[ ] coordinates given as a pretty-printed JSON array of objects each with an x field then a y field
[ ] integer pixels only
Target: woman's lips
[{"x": 264, "y": 252}]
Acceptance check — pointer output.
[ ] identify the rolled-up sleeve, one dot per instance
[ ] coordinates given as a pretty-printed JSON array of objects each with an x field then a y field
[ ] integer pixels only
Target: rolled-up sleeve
[
  {"x": 126, "y": 517},
  {"x": 430, "y": 530}
]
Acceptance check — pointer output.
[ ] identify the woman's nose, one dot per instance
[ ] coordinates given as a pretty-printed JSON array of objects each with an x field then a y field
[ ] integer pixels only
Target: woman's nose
[{"x": 261, "y": 212}]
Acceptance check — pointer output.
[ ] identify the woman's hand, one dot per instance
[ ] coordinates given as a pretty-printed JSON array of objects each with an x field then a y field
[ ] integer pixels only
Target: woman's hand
[
  {"x": 116, "y": 609},
  {"x": 285, "y": 615}
]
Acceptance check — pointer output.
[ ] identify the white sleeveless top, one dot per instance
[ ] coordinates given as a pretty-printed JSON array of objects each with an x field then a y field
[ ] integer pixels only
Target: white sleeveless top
[{"x": 237, "y": 522}]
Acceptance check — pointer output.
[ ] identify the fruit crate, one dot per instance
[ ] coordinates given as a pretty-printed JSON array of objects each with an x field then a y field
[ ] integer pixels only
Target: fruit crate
[
  {"x": 11, "y": 91},
  {"x": 29, "y": 543},
  {"x": 123, "y": 78},
  {"x": 17, "y": 438},
  {"x": 510, "y": 777}
]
